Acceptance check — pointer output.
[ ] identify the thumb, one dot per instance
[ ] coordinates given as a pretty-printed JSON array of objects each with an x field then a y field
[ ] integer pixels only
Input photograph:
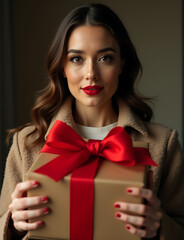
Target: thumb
[{"x": 150, "y": 179}]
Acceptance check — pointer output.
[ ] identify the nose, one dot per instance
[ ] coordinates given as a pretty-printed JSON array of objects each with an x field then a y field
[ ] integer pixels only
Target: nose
[{"x": 91, "y": 70}]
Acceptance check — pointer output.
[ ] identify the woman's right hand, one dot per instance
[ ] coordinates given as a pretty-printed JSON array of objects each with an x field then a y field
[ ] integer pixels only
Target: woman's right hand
[{"x": 20, "y": 204}]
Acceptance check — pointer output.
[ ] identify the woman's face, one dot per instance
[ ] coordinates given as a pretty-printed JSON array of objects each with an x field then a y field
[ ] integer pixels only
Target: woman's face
[{"x": 92, "y": 65}]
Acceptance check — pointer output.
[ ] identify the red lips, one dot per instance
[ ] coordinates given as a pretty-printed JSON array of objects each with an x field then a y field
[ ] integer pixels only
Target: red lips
[{"x": 92, "y": 90}]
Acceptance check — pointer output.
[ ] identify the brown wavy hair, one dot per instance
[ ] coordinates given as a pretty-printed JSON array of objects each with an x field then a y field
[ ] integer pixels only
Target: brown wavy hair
[{"x": 52, "y": 97}]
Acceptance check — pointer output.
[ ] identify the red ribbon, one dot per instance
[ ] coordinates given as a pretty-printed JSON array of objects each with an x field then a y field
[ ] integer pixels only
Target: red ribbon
[{"x": 81, "y": 158}]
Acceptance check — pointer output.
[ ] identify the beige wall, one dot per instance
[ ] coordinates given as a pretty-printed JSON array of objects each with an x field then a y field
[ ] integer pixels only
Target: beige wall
[{"x": 154, "y": 26}]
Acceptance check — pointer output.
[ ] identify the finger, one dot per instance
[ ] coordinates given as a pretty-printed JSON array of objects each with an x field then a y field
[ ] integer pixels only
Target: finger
[
  {"x": 27, "y": 202},
  {"x": 143, "y": 233},
  {"x": 135, "y": 220},
  {"x": 146, "y": 194},
  {"x": 29, "y": 214},
  {"x": 140, "y": 209},
  {"x": 25, "y": 226},
  {"x": 22, "y": 187}
]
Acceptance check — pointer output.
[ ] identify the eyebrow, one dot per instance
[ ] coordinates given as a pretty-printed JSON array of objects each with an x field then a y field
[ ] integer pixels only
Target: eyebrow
[{"x": 99, "y": 51}]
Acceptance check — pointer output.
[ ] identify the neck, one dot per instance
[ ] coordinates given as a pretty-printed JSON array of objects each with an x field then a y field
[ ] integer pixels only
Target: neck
[{"x": 95, "y": 116}]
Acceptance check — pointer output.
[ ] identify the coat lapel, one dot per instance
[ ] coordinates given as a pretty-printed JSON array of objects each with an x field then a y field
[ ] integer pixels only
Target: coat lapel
[{"x": 126, "y": 117}]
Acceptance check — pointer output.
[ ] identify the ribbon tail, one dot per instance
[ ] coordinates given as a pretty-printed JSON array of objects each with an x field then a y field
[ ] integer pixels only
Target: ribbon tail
[
  {"x": 81, "y": 201},
  {"x": 142, "y": 156}
]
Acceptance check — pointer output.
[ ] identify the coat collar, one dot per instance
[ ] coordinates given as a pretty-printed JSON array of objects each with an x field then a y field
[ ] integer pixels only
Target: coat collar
[{"x": 126, "y": 117}]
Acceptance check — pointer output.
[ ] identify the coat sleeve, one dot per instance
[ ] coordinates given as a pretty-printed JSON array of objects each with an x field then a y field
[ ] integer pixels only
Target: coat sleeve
[
  {"x": 172, "y": 191},
  {"x": 13, "y": 175}
]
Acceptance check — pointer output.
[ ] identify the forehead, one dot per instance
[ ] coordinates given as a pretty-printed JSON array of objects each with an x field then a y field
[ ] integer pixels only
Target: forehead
[{"x": 91, "y": 37}]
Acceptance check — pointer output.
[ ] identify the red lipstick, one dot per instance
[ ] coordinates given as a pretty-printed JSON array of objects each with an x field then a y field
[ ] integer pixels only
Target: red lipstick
[{"x": 92, "y": 90}]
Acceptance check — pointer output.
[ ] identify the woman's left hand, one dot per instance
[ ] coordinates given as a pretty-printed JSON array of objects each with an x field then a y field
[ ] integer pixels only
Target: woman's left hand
[{"x": 142, "y": 220}]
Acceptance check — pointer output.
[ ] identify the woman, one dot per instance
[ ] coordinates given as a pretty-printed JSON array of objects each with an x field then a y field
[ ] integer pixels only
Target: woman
[{"x": 93, "y": 67}]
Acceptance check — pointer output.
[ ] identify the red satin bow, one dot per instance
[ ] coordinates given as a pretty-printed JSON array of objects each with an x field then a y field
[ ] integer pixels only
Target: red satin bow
[
  {"x": 73, "y": 151},
  {"x": 81, "y": 158}
]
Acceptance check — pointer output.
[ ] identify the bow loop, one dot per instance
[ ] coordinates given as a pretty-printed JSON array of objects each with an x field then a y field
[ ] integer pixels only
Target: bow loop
[
  {"x": 73, "y": 151},
  {"x": 94, "y": 147}
]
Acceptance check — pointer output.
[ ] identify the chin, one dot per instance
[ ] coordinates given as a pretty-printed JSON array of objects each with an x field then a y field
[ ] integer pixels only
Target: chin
[{"x": 93, "y": 103}]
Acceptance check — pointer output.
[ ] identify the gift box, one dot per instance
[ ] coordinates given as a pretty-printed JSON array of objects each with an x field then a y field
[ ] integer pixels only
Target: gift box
[{"x": 110, "y": 185}]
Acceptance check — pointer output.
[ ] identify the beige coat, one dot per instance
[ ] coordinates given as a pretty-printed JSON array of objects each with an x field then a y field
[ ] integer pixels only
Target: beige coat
[{"x": 164, "y": 148}]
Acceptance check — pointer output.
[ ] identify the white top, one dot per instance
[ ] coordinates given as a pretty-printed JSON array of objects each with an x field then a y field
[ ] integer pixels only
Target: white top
[{"x": 96, "y": 133}]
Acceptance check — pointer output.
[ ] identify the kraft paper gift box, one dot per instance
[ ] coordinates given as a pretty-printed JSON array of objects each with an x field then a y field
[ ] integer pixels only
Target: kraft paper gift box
[{"x": 110, "y": 186}]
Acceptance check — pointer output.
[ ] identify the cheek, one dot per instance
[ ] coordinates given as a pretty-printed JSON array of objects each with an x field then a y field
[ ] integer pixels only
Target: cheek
[
  {"x": 111, "y": 76},
  {"x": 112, "y": 80},
  {"x": 72, "y": 77}
]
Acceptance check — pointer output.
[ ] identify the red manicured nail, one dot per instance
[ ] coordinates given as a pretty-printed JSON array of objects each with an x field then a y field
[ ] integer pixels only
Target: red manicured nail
[
  {"x": 118, "y": 215},
  {"x": 128, "y": 227},
  {"x": 46, "y": 210},
  {"x": 35, "y": 183},
  {"x": 129, "y": 190},
  {"x": 41, "y": 223},
  {"x": 116, "y": 205},
  {"x": 44, "y": 199}
]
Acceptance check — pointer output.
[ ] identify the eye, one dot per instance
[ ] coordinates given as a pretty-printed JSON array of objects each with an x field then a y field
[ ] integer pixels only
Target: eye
[
  {"x": 76, "y": 59},
  {"x": 106, "y": 58}
]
